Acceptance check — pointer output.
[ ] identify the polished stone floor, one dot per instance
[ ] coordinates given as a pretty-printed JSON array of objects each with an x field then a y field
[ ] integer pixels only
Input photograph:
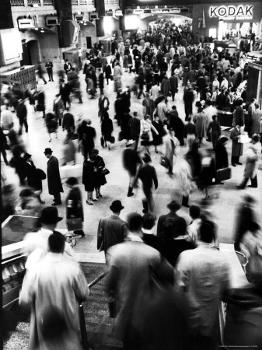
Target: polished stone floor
[{"x": 222, "y": 206}]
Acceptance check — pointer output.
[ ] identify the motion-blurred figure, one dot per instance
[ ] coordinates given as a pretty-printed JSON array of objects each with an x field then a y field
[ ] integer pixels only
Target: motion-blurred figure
[{"x": 56, "y": 285}]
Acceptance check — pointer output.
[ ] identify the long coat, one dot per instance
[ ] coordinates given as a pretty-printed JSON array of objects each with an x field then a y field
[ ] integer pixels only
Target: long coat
[
  {"x": 64, "y": 288},
  {"x": 53, "y": 176},
  {"x": 111, "y": 230},
  {"x": 237, "y": 148},
  {"x": 88, "y": 178},
  {"x": 200, "y": 119},
  {"x": 256, "y": 123},
  {"x": 252, "y": 156},
  {"x": 129, "y": 275}
]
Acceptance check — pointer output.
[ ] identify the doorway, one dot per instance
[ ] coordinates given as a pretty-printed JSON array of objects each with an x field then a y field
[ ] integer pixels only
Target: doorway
[{"x": 31, "y": 53}]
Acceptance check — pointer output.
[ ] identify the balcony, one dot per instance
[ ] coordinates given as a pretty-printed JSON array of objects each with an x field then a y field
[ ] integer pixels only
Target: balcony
[
  {"x": 48, "y": 2},
  {"x": 33, "y": 3},
  {"x": 17, "y": 2}
]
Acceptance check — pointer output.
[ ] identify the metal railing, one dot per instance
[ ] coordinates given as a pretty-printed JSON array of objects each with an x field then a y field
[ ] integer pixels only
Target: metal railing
[
  {"x": 33, "y": 2},
  {"x": 85, "y": 342},
  {"x": 48, "y": 2}
]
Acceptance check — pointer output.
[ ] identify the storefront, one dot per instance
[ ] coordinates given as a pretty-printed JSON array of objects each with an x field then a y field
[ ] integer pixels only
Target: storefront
[{"x": 228, "y": 21}]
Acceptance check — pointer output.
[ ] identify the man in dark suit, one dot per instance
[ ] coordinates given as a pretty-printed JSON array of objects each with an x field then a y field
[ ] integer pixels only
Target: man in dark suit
[
  {"x": 49, "y": 69},
  {"x": 53, "y": 176},
  {"x": 111, "y": 230},
  {"x": 129, "y": 281},
  {"x": 147, "y": 174},
  {"x": 173, "y": 206}
]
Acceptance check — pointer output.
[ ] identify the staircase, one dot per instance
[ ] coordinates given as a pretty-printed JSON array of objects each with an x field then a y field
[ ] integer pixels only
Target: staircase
[{"x": 99, "y": 326}]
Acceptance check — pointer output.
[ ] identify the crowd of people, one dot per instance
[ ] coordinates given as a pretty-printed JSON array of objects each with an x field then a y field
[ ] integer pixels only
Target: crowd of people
[{"x": 165, "y": 287}]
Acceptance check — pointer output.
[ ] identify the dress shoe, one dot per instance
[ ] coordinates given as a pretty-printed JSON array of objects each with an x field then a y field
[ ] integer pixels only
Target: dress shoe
[
  {"x": 252, "y": 186},
  {"x": 238, "y": 163}
]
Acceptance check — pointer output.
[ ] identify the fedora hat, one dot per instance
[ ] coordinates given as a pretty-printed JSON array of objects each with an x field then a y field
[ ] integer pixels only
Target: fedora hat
[
  {"x": 116, "y": 206},
  {"x": 174, "y": 205},
  {"x": 48, "y": 151},
  {"x": 49, "y": 215},
  {"x": 27, "y": 156}
]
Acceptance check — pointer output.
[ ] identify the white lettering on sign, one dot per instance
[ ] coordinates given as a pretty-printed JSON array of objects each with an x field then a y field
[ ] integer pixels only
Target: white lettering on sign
[{"x": 240, "y": 12}]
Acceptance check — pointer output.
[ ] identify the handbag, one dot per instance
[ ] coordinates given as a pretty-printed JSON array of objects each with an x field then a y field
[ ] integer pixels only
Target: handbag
[
  {"x": 254, "y": 269},
  {"x": 112, "y": 139},
  {"x": 223, "y": 174},
  {"x": 164, "y": 162},
  {"x": 105, "y": 171},
  {"x": 41, "y": 174}
]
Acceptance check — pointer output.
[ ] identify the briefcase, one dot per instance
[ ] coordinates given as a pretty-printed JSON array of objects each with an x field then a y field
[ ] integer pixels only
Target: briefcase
[{"x": 223, "y": 174}]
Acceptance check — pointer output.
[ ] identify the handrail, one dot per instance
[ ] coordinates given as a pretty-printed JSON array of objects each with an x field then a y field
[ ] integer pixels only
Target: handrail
[
  {"x": 84, "y": 337},
  {"x": 97, "y": 279}
]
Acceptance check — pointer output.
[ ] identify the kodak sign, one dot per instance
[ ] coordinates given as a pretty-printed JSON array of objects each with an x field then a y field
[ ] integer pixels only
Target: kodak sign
[{"x": 240, "y": 11}]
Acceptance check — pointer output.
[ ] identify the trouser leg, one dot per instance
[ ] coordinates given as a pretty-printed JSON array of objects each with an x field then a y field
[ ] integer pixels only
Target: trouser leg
[
  {"x": 254, "y": 181},
  {"x": 57, "y": 198}
]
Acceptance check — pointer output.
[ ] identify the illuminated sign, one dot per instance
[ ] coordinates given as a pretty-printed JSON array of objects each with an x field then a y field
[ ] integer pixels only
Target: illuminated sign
[{"x": 231, "y": 12}]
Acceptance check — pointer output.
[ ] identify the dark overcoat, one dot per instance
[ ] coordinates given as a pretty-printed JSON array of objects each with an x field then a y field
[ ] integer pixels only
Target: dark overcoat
[{"x": 53, "y": 176}]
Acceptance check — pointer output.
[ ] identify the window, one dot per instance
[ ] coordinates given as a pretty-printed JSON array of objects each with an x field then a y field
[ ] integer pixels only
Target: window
[
  {"x": 212, "y": 33},
  {"x": 48, "y": 2},
  {"x": 17, "y": 3},
  {"x": 33, "y": 2}
]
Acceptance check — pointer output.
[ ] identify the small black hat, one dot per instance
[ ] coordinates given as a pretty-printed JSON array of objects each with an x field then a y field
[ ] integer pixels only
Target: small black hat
[
  {"x": 146, "y": 158},
  {"x": 49, "y": 215},
  {"x": 116, "y": 206},
  {"x": 27, "y": 156},
  {"x": 48, "y": 151}
]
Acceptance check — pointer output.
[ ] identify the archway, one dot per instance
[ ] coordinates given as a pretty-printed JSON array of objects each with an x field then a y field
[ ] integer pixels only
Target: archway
[{"x": 148, "y": 20}]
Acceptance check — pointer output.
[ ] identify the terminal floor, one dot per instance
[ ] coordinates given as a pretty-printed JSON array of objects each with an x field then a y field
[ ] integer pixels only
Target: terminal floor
[{"x": 224, "y": 198}]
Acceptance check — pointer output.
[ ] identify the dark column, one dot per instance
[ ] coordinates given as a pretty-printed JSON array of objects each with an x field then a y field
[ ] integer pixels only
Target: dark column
[
  {"x": 6, "y": 20},
  {"x": 64, "y": 12},
  {"x": 100, "y": 9}
]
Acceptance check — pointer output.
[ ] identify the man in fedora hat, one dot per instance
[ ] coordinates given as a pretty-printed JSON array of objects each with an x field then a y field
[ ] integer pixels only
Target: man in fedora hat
[
  {"x": 111, "y": 230},
  {"x": 35, "y": 243},
  {"x": 53, "y": 176},
  {"x": 173, "y": 206}
]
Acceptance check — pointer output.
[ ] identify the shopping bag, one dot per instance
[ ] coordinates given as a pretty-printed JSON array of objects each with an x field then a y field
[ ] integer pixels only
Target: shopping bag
[
  {"x": 67, "y": 171},
  {"x": 164, "y": 162}
]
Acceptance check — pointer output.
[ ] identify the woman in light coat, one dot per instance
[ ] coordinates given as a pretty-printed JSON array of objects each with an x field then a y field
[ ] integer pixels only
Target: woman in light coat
[
  {"x": 170, "y": 143},
  {"x": 146, "y": 136},
  {"x": 252, "y": 156},
  {"x": 256, "y": 121}
]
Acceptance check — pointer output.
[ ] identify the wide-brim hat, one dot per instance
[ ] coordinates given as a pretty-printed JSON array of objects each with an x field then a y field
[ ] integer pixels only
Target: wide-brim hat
[
  {"x": 49, "y": 215},
  {"x": 174, "y": 205},
  {"x": 48, "y": 151},
  {"x": 116, "y": 206}
]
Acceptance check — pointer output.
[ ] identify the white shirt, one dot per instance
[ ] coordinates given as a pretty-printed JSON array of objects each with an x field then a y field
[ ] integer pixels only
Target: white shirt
[
  {"x": 224, "y": 84},
  {"x": 192, "y": 229},
  {"x": 36, "y": 246},
  {"x": 154, "y": 92},
  {"x": 7, "y": 119}
]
